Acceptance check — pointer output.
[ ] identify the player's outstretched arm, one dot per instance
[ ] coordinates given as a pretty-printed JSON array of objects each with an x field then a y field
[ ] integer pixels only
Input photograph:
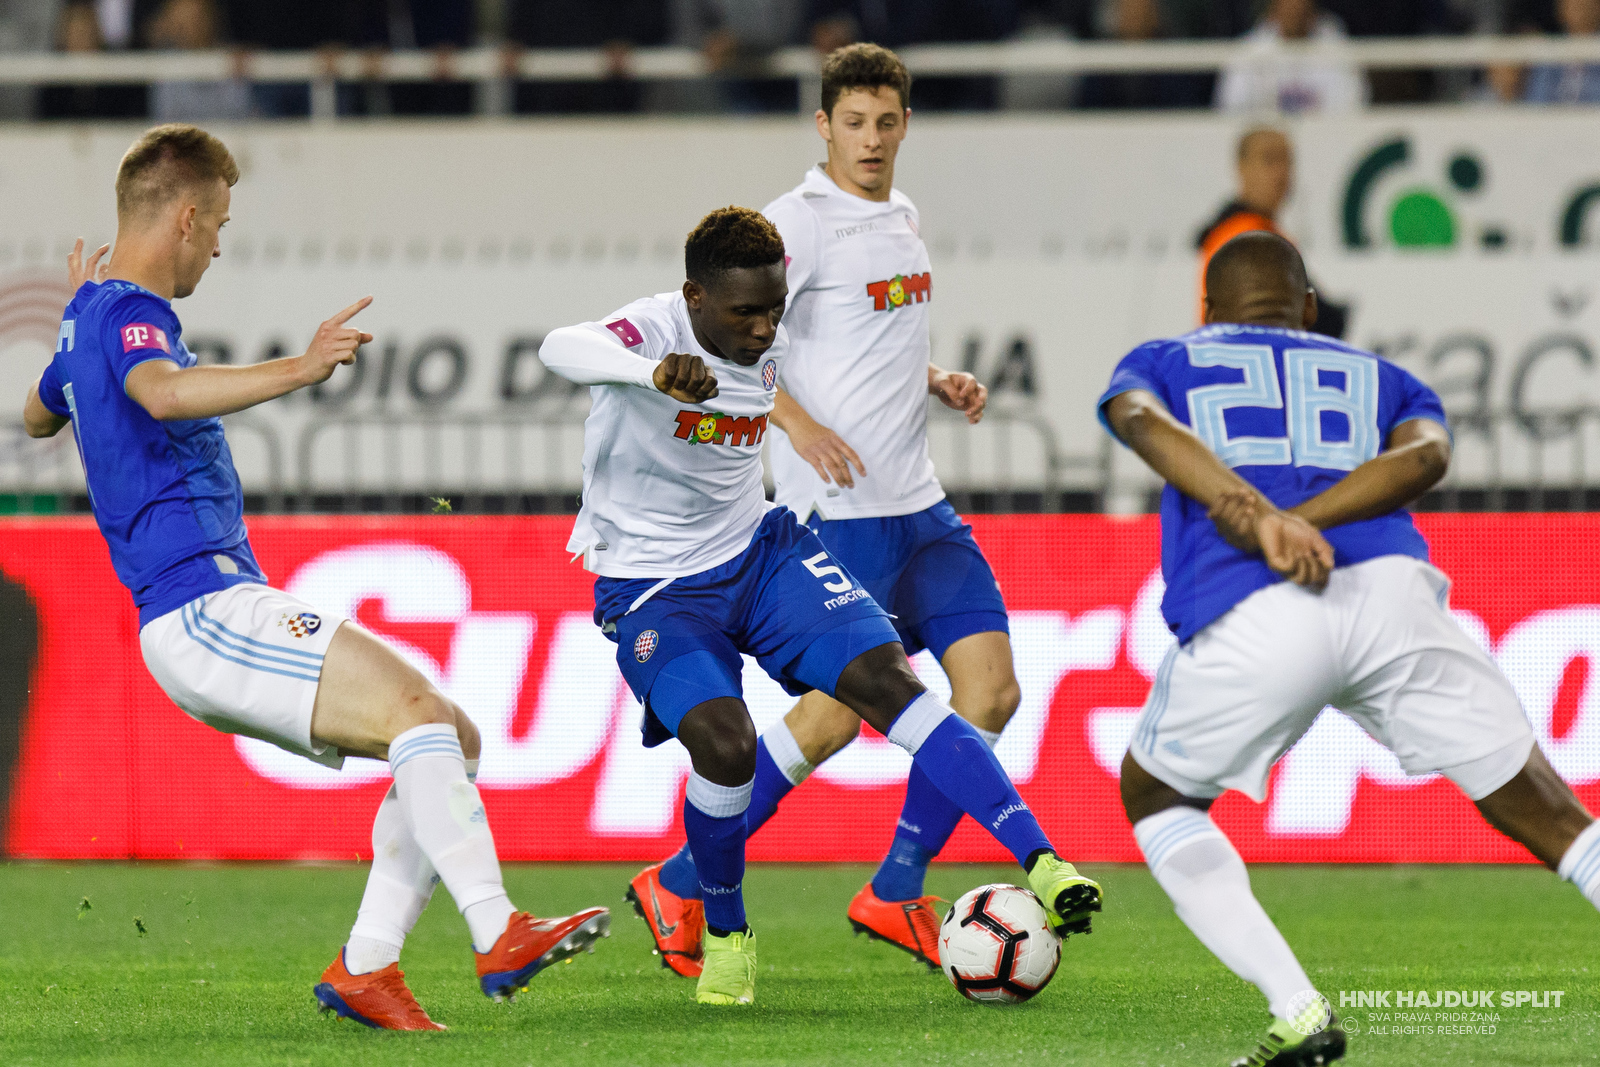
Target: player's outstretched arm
[
  {"x": 1244, "y": 517},
  {"x": 959, "y": 390},
  {"x": 819, "y": 446},
  {"x": 587, "y": 356},
  {"x": 169, "y": 392},
  {"x": 1417, "y": 457},
  {"x": 37, "y": 419}
]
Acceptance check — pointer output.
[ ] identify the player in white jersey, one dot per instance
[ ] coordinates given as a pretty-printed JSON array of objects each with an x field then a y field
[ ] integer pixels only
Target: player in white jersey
[
  {"x": 854, "y": 394},
  {"x": 232, "y": 652},
  {"x": 1242, "y": 418},
  {"x": 696, "y": 568}
]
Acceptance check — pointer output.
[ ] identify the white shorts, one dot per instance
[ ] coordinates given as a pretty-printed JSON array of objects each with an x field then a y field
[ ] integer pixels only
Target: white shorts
[
  {"x": 1379, "y": 644},
  {"x": 245, "y": 660}
]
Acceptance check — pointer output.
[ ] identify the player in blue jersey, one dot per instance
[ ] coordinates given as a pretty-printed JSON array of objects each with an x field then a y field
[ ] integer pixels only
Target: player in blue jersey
[
  {"x": 232, "y": 652},
  {"x": 695, "y": 567},
  {"x": 1296, "y": 580}
]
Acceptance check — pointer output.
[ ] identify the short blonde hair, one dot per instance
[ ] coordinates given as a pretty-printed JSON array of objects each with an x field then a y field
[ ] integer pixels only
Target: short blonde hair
[{"x": 168, "y": 161}]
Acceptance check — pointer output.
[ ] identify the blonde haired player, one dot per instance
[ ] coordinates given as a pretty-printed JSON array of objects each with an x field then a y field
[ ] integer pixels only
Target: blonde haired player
[
  {"x": 231, "y": 651},
  {"x": 856, "y": 384}
]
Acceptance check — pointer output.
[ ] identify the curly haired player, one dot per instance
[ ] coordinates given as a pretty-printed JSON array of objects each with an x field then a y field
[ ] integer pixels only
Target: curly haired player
[
  {"x": 695, "y": 568},
  {"x": 856, "y": 384}
]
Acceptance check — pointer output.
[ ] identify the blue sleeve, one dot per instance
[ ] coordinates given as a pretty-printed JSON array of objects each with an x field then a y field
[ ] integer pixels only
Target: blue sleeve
[
  {"x": 50, "y": 394},
  {"x": 137, "y": 330},
  {"x": 1139, "y": 369},
  {"x": 1417, "y": 401}
]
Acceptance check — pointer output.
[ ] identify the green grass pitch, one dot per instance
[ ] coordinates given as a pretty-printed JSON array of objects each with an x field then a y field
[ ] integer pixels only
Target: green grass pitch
[{"x": 222, "y": 973}]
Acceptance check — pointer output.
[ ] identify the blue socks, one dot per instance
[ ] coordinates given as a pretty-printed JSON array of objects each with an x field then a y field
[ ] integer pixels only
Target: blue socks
[
  {"x": 678, "y": 875},
  {"x": 954, "y": 772},
  {"x": 773, "y": 782},
  {"x": 926, "y": 823},
  {"x": 714, "y": 820},
  {"x": 959, "y": 763}
]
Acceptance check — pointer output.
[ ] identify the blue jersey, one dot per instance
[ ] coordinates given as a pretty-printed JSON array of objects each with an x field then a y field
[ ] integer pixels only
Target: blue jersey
[
  {"x": 1292, "y": 413},
  {"x": 165, "y": 494}
]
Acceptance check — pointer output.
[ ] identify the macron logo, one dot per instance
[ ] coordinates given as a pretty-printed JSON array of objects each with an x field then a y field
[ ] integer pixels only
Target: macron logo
[
  {"x": 627, "y": 331},
  {"x": 143, "y": 335}
]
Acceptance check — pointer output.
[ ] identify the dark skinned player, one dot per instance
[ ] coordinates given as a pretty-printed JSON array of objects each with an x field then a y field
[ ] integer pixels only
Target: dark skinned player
[
  {"x": 696, "y": 567},
  {"x": 1296, "y": 580}
]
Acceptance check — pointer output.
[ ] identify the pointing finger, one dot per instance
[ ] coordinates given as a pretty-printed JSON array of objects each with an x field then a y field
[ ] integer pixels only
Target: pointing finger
[{"x": 350, "y": 312}]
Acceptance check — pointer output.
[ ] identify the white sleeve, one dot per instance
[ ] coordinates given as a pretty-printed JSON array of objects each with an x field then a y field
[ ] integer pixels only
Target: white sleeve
[
  {"x": 589, "y": 355},
  {"x": 802, "y": 239}
]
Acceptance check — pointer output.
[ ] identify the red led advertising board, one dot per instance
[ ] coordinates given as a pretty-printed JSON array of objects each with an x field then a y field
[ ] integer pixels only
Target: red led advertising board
[{"x": 492, "y": 609}]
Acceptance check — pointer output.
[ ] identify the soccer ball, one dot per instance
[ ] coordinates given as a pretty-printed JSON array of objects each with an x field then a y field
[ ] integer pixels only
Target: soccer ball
[{"x": 996, "y": 945}]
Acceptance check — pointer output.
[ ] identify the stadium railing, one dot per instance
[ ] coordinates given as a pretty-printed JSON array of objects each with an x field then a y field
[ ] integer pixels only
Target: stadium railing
[
  {"x": 1543, "y": 460},
  {"x": 496, "y": 67}
]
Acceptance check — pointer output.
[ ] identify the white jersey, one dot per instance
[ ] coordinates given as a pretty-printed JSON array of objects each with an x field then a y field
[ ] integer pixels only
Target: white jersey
[
  {"x": 859, "y": 293},
  {"x": 668, "y": 489}
]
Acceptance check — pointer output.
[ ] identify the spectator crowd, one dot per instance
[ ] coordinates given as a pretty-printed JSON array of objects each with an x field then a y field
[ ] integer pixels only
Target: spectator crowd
[{"x": 738, "y": 37}]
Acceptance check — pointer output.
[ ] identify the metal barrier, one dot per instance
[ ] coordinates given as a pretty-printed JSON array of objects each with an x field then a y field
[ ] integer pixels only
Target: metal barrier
[
  {"x": 495, "y": 68},
  {"x": 1543, "y": 460},
  {"x": 1524, "y": 460},
  {"x": 472, "y": 456}
]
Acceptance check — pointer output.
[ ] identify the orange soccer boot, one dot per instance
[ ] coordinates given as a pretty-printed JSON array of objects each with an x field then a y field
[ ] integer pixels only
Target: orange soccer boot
[
  {"x": 677, "y": 924},
  {"x": 379, "y": 999},
  {"x": 530, "y": 945},
  {"x": 912, "y": 925}
]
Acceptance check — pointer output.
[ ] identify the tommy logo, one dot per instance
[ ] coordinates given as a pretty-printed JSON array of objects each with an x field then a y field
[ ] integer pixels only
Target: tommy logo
[
  {"x": 143, "y": 335},
  {"x": 900, "y": 291},
  {"x": 301, "y": 624},
  {"x": 627, "y": 331},
  {"x": 769, "y": 374},
  {"x": 717, "y": 428},
  {"x": 645, "y": 644}
]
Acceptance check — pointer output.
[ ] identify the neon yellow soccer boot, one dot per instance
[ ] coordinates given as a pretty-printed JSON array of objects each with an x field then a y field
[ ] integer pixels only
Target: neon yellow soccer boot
[
  {"x": 730, "y": 969},
  {"x": 1069, "y": 898},
  {"x": 1311, "y": 1039}
]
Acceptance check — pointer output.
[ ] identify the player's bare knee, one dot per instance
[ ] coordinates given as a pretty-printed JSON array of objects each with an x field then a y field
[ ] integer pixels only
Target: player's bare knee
[
  {"x": 467, "y": 732},
  {"x": 424, "y": 707},
  {"x": 721, "y": 741},
  {"x": 993, "y": 707},
  {"x": 878, "y": 684}
]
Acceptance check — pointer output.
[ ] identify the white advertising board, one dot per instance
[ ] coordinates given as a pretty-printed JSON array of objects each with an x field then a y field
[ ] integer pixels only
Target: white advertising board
[{"x": 1458, "y": 237}]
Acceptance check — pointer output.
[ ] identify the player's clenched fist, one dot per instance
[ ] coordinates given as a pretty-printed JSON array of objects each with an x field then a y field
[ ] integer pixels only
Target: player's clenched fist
[
  {"x": 686, "y": 378},
  {"x": 335, "y": 343}
]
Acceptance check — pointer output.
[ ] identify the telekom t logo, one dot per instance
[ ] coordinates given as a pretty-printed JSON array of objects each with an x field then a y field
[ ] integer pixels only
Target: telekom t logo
[{"x": 143, "y": 335}]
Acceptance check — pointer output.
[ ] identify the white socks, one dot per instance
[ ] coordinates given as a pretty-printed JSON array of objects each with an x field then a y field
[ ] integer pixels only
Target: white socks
[
  {"x": 718, "y": 801},
  {"x": 1210, "y": 890},
  {"x": 1581, "y": 863},
  {"x": 919, "y": 719},
  {"x": 786, "y": 754},
  {"x": 398, "y": 889},
  {"x": 449, "y": 824},
  {"x": 990, "y": 737}
]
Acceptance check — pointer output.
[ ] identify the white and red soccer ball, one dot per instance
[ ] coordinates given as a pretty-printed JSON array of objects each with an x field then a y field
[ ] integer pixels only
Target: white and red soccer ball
[{"x": 996, "y": 945}]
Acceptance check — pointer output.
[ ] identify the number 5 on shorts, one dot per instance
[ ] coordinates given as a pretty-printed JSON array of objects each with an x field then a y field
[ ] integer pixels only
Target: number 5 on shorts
[{"x": 815, "y": 566}]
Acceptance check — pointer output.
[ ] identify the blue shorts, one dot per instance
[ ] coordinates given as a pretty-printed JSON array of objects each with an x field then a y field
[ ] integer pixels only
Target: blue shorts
[
  {"x": 926, "y": 571},
  {"x": 782, "y": 601}
]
